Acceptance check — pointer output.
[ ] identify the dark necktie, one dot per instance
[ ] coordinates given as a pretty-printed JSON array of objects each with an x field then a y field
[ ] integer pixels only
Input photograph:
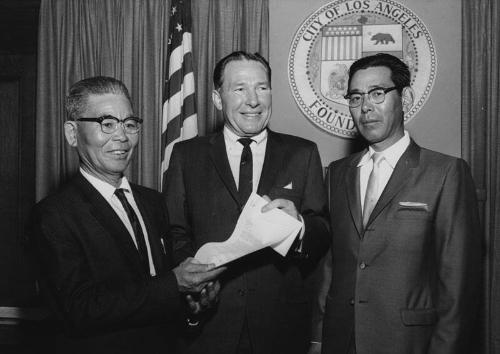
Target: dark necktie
[
  {"x": 245, "y": 184},
  {"x": 136, "y": 227},
  {"x": 371, "y": 196}
]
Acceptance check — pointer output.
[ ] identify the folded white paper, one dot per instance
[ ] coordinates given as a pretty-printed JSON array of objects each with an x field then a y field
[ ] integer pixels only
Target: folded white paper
[{"x": 254, "y": 231}]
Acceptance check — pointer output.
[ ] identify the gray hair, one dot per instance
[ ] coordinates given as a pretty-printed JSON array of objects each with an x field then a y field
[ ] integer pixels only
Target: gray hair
[{"x": 76, "y": 101}]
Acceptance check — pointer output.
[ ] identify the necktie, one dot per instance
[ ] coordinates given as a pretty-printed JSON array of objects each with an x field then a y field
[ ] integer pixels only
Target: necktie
[
  {"x": 371, "y": 196},
  {"x": 136, "y": 227},
  {"x": 245, "y": 184}
]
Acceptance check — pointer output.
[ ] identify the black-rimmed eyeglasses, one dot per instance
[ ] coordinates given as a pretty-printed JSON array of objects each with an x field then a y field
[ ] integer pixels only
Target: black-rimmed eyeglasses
[
  {"x": 375, "y": 95},
  {"x": 109, "y": 124}
]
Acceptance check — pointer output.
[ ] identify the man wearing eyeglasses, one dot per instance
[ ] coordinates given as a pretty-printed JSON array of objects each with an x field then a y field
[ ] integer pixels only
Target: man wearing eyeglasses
[
  {"x": 403, "y": 272},
  {"x": 105, "y": 263}
]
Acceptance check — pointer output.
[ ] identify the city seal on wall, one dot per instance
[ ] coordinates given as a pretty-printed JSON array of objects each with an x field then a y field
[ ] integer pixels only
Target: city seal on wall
[{"x": 342, "y": 31}]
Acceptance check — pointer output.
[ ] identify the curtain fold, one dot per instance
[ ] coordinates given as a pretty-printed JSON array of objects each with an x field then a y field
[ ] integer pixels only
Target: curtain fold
[
  {"x": 127, "y": 39},
  {"x": 481, "y": 147}
]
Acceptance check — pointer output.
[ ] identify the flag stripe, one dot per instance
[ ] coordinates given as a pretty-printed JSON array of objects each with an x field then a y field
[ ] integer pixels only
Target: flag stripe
[
  {"x": 325, "y": 48},
  {"x": 173, "y": 106},
  {"x": 177, "y": 124},
  {"x": 343, "y": 45},
  {"x": 180, "y": 79},
  {"x": 178, "y": 56},
  {"x": 184, "y": 111},
  {"x": 190, "y": 124}
]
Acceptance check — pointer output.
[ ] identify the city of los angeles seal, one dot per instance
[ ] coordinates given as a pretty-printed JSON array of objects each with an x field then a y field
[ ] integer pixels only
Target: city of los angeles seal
[{"x": 342, "y": 31}]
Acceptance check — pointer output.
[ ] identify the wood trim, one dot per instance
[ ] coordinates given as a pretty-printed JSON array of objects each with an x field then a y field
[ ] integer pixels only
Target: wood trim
[{"x": 13, "y": 315}]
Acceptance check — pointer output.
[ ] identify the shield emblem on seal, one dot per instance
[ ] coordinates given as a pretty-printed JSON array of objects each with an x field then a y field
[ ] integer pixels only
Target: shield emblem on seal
[{"x": 342, "y": 45}]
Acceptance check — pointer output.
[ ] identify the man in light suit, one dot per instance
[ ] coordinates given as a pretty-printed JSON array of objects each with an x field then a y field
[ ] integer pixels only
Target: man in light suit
[
  {"x": 264, "y": 299},
  {"x": 403, "y": 272},
  {"x": 105, "y": 263}
]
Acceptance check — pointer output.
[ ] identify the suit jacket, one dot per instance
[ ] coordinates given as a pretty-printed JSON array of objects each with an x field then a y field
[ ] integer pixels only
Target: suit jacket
[
  {"x": 271, "y": 291},
  {"x": 91, "y": 274},
  {"x": 408, "y": 282}
]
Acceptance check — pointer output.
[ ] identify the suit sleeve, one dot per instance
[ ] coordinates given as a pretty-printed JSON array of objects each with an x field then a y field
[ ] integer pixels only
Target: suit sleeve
[
  {"x": 175, "y": 196},
  {"x": 324, "y": 281},
  {"x": 314, "y": 210},
  {"x": 318, "y": 310},
  {"x": 85, "y": 302},
  {"x": 458, "y": 252}
]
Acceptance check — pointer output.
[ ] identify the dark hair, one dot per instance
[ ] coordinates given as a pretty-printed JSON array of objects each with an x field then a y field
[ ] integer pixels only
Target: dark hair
[
  {"x": 76, "y": 101},
  {"x": 238, "y": 56},
  {"x": 400, "y": 74}
]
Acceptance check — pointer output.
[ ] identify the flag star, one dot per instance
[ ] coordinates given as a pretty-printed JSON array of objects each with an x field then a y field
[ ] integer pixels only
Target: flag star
[
  {"x": 178, "y": 27},
  {"x": 174, "y": 10}
]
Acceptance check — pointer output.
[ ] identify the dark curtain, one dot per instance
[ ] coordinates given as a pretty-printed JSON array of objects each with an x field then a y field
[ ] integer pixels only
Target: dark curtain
[
  {"x": 127, "y": 39},
  {"x": 481, "y": 147}
]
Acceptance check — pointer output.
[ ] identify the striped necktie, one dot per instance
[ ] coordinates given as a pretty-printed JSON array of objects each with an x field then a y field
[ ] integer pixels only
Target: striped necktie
[{"x": 136, "y": 227}]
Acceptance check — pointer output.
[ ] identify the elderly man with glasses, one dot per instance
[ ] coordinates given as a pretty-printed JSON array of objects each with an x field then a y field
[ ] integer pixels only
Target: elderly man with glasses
[
  {"x": 403, "y": 271},
  {"x": 105, "y": 263}
]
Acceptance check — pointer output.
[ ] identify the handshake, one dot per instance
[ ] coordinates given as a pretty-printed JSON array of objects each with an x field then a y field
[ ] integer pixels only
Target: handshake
[
  {"x": 197, "y": 282},
  {"x": 262, "y": 223}
]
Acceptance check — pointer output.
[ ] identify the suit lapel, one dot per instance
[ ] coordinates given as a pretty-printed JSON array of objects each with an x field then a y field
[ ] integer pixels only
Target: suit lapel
[
  {"x": 402, "y": 171},
  {"x": 273, "y": 159},
  {"x": 108, "y": 219},
  {"x": 219, "y": 158},
  {"x": 352, "y": 192}
]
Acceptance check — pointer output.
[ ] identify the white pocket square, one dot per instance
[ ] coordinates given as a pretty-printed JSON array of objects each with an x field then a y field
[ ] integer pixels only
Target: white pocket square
[
  {"x": 415, "y": 205},
  {"x": 288, "y": 186}
]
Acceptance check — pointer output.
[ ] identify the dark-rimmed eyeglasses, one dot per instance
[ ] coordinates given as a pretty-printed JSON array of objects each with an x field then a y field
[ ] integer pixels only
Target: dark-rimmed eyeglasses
[
  {"x": 375, "y": 95},
  {"x": 109, "y": 124}
]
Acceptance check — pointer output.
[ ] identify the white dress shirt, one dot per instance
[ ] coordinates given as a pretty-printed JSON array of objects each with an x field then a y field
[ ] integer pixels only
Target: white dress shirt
[
  {"x": 235, "y": 148},
  {"x": 391, "y": 156},
  {"x": 108, "y": 192}
]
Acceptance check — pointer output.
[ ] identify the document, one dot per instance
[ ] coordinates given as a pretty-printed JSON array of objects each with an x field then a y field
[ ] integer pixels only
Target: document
[{"x": 254, "y": 231}]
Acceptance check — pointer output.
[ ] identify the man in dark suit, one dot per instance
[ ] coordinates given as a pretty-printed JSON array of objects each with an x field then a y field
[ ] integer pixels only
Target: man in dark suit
[
  {"x": 264, "y": 299},
  {"x": 403, "y": 272},
  {"x": 105, "y": 264}
]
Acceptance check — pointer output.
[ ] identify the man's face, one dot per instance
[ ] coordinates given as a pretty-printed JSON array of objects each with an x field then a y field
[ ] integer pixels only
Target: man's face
[
  {"x": 245, "y": 97},
  {"x": 380, "y": 124},
  {"x": 105, "y": 156}
]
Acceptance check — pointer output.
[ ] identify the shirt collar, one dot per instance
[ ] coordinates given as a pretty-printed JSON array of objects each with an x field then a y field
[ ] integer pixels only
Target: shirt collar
[
  {"x": 232, "y": 139},
  {"x": 392, "y": 154},
  {"x": 106, "y": 189}
]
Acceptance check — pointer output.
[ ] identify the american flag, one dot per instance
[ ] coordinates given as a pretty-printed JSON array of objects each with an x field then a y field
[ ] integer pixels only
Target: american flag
[{"x": 179, "y": 107}]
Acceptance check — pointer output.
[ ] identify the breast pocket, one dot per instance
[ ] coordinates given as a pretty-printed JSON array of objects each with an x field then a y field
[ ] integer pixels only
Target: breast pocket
[
  {"x": 284, "y": 193},
  {"x": 413, "y": 212}
]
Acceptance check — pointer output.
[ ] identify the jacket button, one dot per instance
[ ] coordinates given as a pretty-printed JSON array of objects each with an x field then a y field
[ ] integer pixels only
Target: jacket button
[
  {"x": 241, "y": 292},
  {"x": 362, "y": 265},
  {"x": 351, "y": 302}
]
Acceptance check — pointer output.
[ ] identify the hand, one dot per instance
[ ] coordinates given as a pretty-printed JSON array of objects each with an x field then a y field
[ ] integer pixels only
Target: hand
[
  {"x": 206, "y": 299},
  {"x": 284, "y": 204},
  {"x": 192, "y": 276},
  {"x": 314, "y": 348}
]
